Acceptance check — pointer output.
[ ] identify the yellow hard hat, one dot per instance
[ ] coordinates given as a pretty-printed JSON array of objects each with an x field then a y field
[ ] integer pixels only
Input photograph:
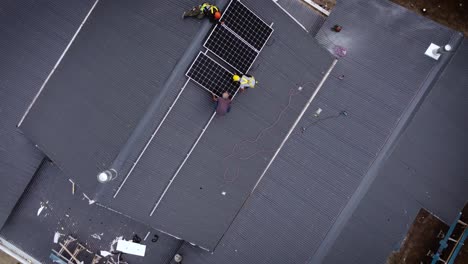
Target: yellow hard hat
[{"x": 236, "y": 78}]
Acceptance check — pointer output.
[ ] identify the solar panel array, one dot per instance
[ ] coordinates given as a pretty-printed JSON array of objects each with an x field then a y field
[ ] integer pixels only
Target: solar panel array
[
  {"x": 231, "y": 49},
  {"x": 246, "y": 24},
  {"x": 212, "y": 76},
  {"x": 237, "y": 42}
]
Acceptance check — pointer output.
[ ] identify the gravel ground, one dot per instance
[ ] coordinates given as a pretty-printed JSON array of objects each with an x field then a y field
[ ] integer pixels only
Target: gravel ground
[
  {"x": 451, "y": 13},
  {"x": 6, "y": 259}
]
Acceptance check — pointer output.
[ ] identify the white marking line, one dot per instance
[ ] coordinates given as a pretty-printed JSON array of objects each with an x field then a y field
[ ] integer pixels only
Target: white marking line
[
  {"x": 182, "y": 165},
  {"x": 291, "y": 16},
  {"x": 325, "y": 77},
  {"x": 319, "y": 8},
  {"x": 151, "y": 139},
  {"x": 185, "y": 160},
  {"x": 147, "y": 234},
  {"x": 56, "y": 65}
]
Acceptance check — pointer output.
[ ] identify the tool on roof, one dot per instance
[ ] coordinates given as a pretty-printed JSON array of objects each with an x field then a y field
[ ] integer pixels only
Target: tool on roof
[
  {"x": 337, "y": 28},
  {"x": 178, "y": 258}
]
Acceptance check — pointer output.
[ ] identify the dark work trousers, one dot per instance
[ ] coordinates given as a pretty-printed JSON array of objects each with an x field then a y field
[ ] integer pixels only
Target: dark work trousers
[{"x": 195, "y": 12}]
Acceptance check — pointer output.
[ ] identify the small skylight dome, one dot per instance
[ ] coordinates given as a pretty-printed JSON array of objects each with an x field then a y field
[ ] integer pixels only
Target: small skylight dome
[{"x": 106, "y": 176}]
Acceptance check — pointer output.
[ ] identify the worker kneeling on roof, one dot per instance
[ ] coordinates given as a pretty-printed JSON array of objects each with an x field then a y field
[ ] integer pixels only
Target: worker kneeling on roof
[
  {"x": 205, "y": 9},
  {"x": 246, "y": 81}
]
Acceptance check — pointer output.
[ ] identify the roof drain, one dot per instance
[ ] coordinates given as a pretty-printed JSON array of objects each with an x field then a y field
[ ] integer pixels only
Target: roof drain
[{"x": 107, "y": 176}]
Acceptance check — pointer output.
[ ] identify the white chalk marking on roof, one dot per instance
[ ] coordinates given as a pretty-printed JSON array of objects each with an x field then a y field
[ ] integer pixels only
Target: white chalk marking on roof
[
  {"x": 325, "y": 77},
  {"x": 151, "y": 138},
  {"x": 186, "y": 158},
  {"x": 183, "y": 163},
  {"x": 73, "y": 186},
  {"x": 291, "y": 16},
  {"x": 147, "y": 234},
  {"x": 56, "y": 64}
]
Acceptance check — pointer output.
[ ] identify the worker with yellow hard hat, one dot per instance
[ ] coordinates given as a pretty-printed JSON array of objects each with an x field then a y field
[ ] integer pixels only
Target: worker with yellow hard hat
[
  {"x": 246, "y": 81},
  {"x": 205, "y": 9}
]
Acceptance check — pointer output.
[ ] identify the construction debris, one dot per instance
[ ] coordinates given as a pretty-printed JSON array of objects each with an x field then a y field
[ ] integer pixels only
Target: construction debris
[
  {"x": 73, "y": 186},
  {"x": 105, "y": 253},
  {"x": 57, "y": 236},
  {"x": 90, "y": 201},
  {"x": 130, "y": 247},
  {"x": 97, "y": 236},
  {"x": 43, "y": 206}
]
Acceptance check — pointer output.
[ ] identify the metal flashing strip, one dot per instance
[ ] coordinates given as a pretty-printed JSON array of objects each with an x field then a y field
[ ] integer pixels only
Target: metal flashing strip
[
  {"x": 316, "y": 6},
  {"x": 16, "y": 253},
  {"x": 56, "y": 64},
  {"x": 150, "y": 139}
]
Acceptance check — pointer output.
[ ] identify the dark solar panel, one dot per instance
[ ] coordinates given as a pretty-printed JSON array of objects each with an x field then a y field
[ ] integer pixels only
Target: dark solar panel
[
  {"x": 212, "y": 76},
  {"x": 246, "y": 24},
  {"x": 231, "y": 49}
]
